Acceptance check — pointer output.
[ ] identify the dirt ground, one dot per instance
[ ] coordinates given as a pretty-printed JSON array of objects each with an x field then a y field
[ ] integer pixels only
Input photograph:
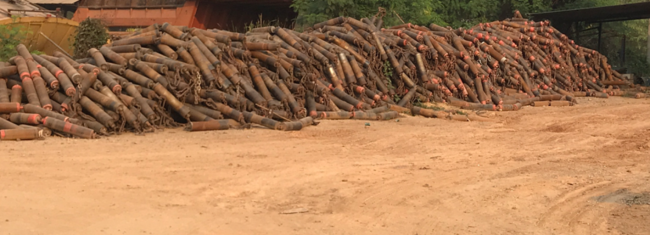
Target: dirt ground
[{"x": 556, "y": 170}]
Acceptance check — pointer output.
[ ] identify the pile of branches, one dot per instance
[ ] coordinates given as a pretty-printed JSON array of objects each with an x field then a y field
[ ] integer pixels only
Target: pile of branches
[{"x": 343, "y": 68}]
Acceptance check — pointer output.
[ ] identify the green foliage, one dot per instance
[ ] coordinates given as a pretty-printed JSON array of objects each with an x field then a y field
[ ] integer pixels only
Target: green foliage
[
  {"x": 261, "y": 22},
  {"x": 635, "y": 33},
  {"x": 414, "y": 11},
  {"x": 10, "y": 37},
  {"x": 388, "y": 72},
  {"x": 90, "y": 33},
  {"x": 467, "y": 13},
  {"x": 455, "y": 13},
  {"x": 435, "y": 107},
  {"x": 418, "y": 103},
  {"x": 388, "y": 69}
]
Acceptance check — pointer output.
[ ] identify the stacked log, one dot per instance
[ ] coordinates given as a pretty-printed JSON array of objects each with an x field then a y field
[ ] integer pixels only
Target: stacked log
[{"x": 343, "y": 68}]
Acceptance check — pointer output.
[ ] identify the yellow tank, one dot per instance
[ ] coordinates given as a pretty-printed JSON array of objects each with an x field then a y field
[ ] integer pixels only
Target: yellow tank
[{"x": 59, "y": 30}]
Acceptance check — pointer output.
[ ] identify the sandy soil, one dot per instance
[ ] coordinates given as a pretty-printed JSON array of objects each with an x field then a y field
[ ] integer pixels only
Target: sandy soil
[{"x": 556, "y": 170}]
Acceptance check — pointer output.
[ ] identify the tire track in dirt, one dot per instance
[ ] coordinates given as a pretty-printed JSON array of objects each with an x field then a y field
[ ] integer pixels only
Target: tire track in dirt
[
  {"x": 576, "y": 210},
  {"x": 566, "y": 210}
]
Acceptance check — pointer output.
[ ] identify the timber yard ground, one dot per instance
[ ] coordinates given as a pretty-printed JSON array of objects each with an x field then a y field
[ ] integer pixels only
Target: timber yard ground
[{"x": 555, "y": 170}]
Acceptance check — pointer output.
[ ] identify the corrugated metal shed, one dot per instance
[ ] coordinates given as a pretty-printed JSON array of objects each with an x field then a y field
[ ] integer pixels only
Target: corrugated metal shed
[{"x": 8, "y": 8}]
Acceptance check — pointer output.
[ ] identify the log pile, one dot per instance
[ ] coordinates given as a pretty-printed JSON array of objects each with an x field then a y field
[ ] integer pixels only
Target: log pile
[{"x": 343, "y": 68}]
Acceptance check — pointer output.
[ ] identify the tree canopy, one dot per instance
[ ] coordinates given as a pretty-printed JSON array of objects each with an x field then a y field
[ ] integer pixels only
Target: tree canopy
[{"x": 455, "y": 13}]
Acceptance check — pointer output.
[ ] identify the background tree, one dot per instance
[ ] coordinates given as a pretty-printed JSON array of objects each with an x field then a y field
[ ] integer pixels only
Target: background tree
[
  {"x": 455, "y": 13},
  {"x": 414, "y": 11},
  {"x": 90, "y": 33}
]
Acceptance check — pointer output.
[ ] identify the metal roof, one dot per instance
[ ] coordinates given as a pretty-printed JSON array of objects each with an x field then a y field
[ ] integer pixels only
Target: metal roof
[
  {"x": 598, "y": 14},
  {"x": 5, "y": 6},
  {"x": 53, "y": 1}
]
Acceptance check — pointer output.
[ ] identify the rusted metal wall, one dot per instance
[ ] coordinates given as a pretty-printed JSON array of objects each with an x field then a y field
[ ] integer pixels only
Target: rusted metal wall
[
  {"x": 137, "y": 13},
  {"x": 221, "y": 14}
]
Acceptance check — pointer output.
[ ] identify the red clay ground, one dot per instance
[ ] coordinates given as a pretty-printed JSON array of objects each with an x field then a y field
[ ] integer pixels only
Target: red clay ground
[{"x": 556, "y": 170}]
